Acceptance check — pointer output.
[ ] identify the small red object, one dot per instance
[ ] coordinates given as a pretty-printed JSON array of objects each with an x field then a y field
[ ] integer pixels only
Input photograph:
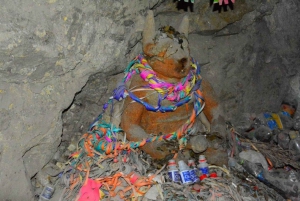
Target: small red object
[
  {"x": 115, "y": 160},
  {"x": 202, "y": 177},
  {"x": 213, "y": 175},
  {"x": 90, "y": 191},
  {"x": 133, "y": 178},
  {"x": 197, "y": 187}
]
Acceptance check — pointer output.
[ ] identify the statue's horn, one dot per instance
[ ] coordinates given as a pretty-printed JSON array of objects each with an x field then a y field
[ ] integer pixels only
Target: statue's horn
[
  {"x": 184, "y": 26},
  {"x": 149, "y": 29}
]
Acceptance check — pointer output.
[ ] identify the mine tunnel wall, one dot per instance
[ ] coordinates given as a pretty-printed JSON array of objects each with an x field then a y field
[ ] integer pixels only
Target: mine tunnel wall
[{"x": 59, "y": 58}]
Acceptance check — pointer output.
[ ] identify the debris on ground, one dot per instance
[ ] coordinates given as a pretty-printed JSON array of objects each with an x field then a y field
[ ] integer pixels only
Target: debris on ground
[
  {"x": 262, "y": 165},
  {"x": 130, "y": 175}
]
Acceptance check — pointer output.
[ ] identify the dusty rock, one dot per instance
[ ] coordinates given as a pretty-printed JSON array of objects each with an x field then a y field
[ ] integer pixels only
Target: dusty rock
[{"x": 48, "y": 51}]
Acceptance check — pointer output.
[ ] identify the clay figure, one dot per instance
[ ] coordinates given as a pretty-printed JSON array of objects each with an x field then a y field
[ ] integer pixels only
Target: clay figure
[{"x": 167, "y": 52}]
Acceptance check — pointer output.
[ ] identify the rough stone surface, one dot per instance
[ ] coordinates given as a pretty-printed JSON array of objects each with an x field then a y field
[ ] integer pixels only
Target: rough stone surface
[
  {"x": 251, "y": 61},
  {"x": 254, "y": 70},
  {"x": 48, "y": 51},
  {"x": 250, "y": 64}
]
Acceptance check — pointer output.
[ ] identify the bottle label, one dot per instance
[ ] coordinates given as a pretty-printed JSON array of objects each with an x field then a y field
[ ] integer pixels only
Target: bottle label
[
  {"x": 185, "y": 177},
  {"x": 204, "y": 170},
  {"x": 47, "y": 192},
  {"x": 174, "y": 175},
  {"x": 194, "y": 176},
  {"x": 261, "y": 177}
]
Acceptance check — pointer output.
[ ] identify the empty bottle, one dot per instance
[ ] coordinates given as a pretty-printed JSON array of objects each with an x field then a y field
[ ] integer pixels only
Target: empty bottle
[
  {"x": 283, "y": 139},
  {"x": 203, "y": 166},
  {"x": 294, "y": 149},
  {"x": 296, "y": 125},
  {"x": 254, "y": 157},
  {"x": 286, "y": 120},
  {"x": 293, "y": 176},
  {"x": 193, "y": 170},
  {"x": 262, "y": 134},
  {"x": 173, "y": 171},
  {"x": 47, "y": 192},
  {"x": 184, "y": 172},
  {"x": 253, "y": 169}
]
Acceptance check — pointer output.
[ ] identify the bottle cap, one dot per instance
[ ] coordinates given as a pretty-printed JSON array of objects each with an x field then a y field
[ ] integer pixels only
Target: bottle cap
[
  {"x": 213, "y": 175},
  {"x": 172, "y": 162},
  {"x": 202, "y": 177},
  {"x": 202, "y": 159},
  {"x": 191, "y": 162}
]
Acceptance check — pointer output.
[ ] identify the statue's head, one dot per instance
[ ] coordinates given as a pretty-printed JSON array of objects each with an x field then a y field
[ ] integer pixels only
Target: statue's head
[{"x": 167, "y": 49}]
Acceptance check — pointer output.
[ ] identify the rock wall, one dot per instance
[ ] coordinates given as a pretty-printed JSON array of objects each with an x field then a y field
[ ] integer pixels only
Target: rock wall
[
  {"x": 253, "y": 63},
  {"x": 248, "y": 54},
  {"x": 48, "y": 51},
  {"x": 58, "y": 59}
]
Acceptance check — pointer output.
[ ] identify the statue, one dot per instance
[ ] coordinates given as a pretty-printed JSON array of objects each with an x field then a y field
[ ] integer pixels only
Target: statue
[{"x": 167, "y": 59}]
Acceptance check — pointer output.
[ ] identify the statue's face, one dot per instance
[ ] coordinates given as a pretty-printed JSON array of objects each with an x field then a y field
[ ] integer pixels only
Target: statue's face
[{"x": 169, "y": 57}]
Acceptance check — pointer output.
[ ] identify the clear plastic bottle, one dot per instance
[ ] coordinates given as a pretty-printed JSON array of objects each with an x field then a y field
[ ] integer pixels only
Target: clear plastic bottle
[
  {"x": 173, "y": 171},
  {"x": 253, "y": 169},
  {"x": 294, "y": 149},
  {"x": 47, "y": 192},
  {"x": 184, "y": 172},
  {"x": 293, "y": 176},
  {"x": 286, "y": 120},
  {"x": 296, "y": 125},
  {"x": 193, "y": 170},
  {"x": 283, "y": 139},
  {"x": 254, "y": 157},
  {"x": 263, "y": 134},
  {"x": 203, "y": 166}
]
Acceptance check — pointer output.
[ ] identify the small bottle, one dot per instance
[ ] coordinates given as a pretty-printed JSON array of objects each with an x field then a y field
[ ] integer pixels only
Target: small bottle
[
  {"x": 203, "y": 166},
  {"x": 254, "y": 169},
  {"x": 173, "y": 171},
  {"x": 283, "y": 139},
  {"x": 296, "y": 125},
  {"x": 184, "y": 172},
  {"x": 254, "y": 157},
  {"x": 47, "y": 192},
  {"x": 193, "y": 170},
  {"x": 294, "y": 148},
  {"x": 263, "y": 134},
  {"x": 293, "y": 177}
]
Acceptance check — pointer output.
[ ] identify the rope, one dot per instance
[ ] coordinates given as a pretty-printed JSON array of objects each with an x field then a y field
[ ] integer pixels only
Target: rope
[{"x": 101, "y": 137}]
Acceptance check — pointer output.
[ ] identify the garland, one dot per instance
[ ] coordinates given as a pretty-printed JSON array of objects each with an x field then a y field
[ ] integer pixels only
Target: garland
[{"x": 102, "y": 136}]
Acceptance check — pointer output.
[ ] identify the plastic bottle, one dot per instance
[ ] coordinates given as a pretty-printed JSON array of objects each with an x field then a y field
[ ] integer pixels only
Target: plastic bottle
[
  {"x": 203, "y": 166},
  {"x": 294, "y": 149},
  {"x": 293, "y": 176},
  {"x": 245, "y": 146},
  {"x": 283, "y": 139},
  {"x": 184, "y": 172},
  {"x": 263, "y": 134},
  {"x": 253, "y": 169},
  {"x": 296, "y": 125},
  {"x": 47, "y": 192},
  {"x": 193, "y": 170},
  {"x": 286, "y": 120},
  {"x": 173, "y": 171},
  {"x": 254, "y": 157}
]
